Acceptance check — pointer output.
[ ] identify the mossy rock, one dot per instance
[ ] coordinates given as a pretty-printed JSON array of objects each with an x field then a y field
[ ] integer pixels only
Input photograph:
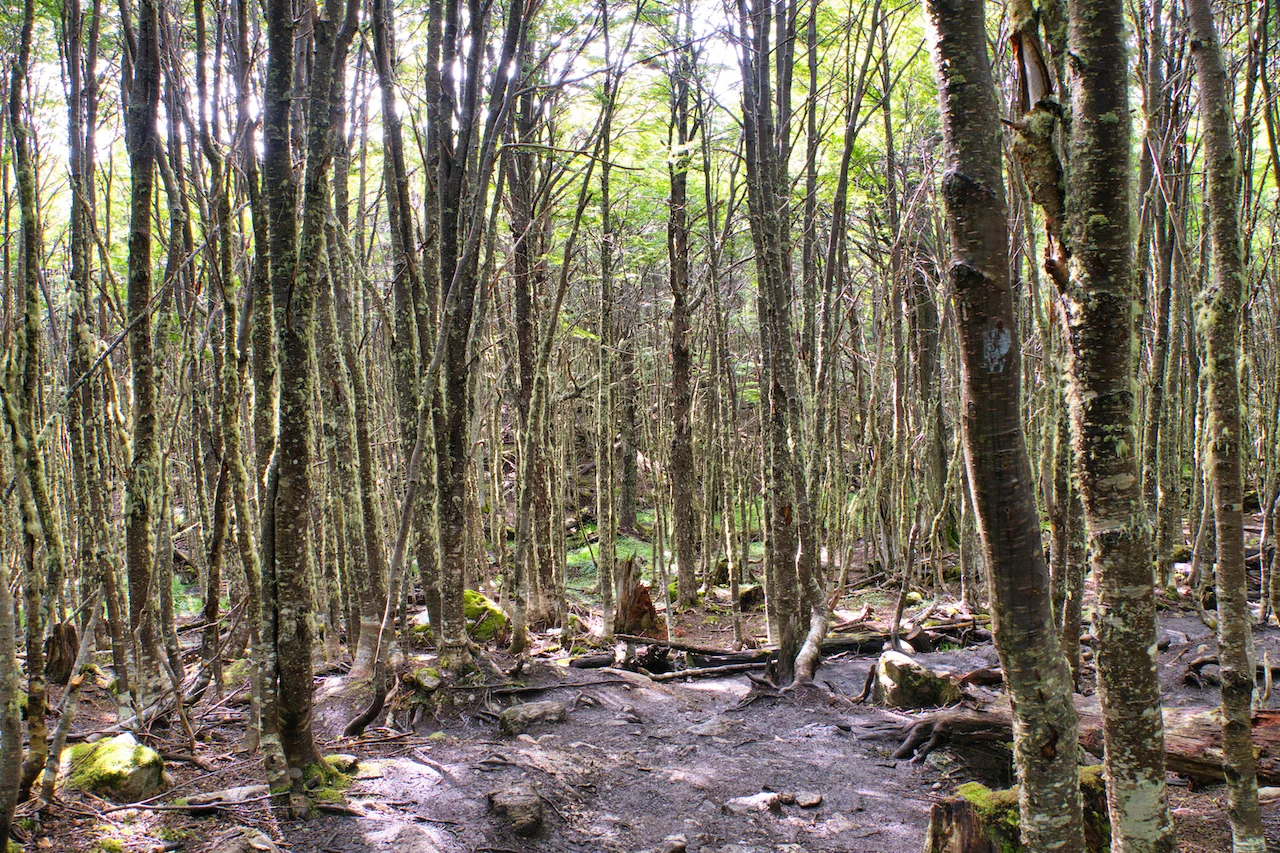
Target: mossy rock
[
  {"x": 238, "y": 670},
  {"x": 326, "y": 783},
  {"x": 426, "y": 679},
  {"x": 119, "y": 769},
  {"x": 420, "y": 627},
  {"x": 485, "y": 619}
]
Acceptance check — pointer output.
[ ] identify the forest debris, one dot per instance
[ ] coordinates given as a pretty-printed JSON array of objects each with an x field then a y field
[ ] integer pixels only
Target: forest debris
[
  {"x": 715, "y": 727},
  {"x": 522, "y": 806},
  {"x": 592, "y": 661},
  {"x": 764, "y": 801},
  {"x": 242, "y": 839},
  {"x": 518, "y": 718},
  {"x": 709, "y": 671},
  {"x": 213, "y": 800},
  {"x": 905, "y": 683},
  {"x": 118, "y": 768}
]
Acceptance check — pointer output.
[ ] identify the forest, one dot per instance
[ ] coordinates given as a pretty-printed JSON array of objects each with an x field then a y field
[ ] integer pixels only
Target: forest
[{"x": 727, "y": 426}]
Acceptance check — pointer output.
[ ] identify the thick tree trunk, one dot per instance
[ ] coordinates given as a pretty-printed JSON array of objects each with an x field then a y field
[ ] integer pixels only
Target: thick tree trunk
[
  {"x": 1100, "y": 299},
  {"x": 999, "y": 470}
]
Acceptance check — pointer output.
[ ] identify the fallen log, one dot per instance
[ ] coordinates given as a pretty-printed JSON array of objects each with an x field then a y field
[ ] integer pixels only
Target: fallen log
[{"x": 1192, "y": 736}]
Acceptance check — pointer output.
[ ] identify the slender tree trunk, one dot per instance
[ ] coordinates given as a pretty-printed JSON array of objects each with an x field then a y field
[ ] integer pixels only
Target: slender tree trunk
[
  {"x": 1036, "y": 672},
  {"x": 1221, "y": 323}
]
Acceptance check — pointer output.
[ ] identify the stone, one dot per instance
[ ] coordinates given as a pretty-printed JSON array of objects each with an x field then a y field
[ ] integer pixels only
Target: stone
[
  {"x": 118, "y": 768},
  {"x": 808, "y": 799},
  {"x": 518, "y": 718},
  {"x": 485, "y": 619},
  {"x": 904, "y": 683},
  {"x": 522, "y": 806},
  {"x": 765, "y": 801},
  {"x": 426, "y": 679},
  {"x": 674, "y": 844},
  {"x": 242, "y": 839}
]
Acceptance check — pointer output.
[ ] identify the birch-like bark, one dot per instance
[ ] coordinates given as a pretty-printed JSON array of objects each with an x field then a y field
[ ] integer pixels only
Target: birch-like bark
[
  {"x": 1220, "y": 322},
  {"x": 1045, "y": 735}
]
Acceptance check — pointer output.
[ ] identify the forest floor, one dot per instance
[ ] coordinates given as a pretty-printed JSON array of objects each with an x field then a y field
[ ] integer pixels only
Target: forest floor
[{"x": 636, "y": 763}]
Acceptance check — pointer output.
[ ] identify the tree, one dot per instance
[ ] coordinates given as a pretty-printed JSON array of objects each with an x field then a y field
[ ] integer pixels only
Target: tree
[
  {"x": 1220, "y": 322},
  {"x": 1036, "y": 672}
]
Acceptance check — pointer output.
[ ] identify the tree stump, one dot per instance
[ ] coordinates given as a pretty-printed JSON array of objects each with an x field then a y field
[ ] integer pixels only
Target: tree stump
[
  {"x": 635, "y": 613},
  {"x": 979, "y": 820},
  {"x": 906, "y": 683},
  {"x": 60, "y": 650}
]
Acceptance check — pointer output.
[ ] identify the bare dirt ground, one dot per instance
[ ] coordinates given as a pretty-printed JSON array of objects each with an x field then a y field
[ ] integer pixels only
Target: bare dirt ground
[{"x": 635, "y": 763}]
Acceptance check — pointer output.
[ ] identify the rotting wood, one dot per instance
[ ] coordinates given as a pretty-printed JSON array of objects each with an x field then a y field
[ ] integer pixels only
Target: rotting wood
[{"x": 1193, "y": 736}]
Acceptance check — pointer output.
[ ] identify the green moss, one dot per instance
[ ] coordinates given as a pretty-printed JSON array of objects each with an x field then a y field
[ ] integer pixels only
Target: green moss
[
  {"x": 324, "y": 782},
  {"x": 239, "y": 670},
  {"x": 112, "y": 767},
  {"x": 485, "y": 619},
  {"x": 111, "y": 845},
  {"x": 169, "y": 833},
  {"x": 999, "y": 813}
]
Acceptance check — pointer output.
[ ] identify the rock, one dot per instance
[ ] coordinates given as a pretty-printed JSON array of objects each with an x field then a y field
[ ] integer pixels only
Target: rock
[
  {"x": 521, "y": 805},
  {"x": 343, "y": 763},
  {"x": 904, "y": 683},
  {"x": 751, "y": 596},
  {"x": 517, "y": 718},
  {"x": 119, "y": 769},
  {"x": 426, "y": 679},
  {"x": 674, "y": 844},
  {"x": 242, "y": 839},
  {"x": 808, "y": 799},
  {"x": 485, "y": 619},
  {"x": 764, "y": 801}
]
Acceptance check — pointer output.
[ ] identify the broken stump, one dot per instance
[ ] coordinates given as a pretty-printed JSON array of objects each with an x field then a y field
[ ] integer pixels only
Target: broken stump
[
  {"x": 905, "y": 683},
  {"x": 522, "y": 806},
  {"x": 979, "y": 820}
]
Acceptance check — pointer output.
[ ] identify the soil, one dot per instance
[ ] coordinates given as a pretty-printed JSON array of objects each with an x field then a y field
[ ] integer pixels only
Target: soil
[{"x": 636, "y": 763}]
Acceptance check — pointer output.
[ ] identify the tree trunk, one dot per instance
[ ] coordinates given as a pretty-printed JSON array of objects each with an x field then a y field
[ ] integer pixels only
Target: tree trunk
[
  {"x": 1221, "y": 323},
  {"x": 999, "y": 470}
]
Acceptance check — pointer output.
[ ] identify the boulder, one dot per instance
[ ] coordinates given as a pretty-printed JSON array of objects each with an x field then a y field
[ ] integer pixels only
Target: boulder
[
  {"x": 119, "y": 769},
  {"x": 905, "y": 683},
  {"x": 485, "y": 619}
]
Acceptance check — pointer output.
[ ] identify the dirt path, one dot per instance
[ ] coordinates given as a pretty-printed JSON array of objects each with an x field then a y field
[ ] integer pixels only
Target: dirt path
[{"x": 636, "y": 763}]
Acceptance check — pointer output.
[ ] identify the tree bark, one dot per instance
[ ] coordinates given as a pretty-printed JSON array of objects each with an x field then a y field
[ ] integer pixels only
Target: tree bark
[
  {"x": 1220, "y": 320},
  {"x": 999, "y": 470}
]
